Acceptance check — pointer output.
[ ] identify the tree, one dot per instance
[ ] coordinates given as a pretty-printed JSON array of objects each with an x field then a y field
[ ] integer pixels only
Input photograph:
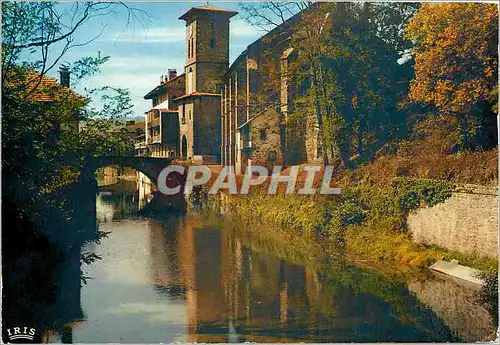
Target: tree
[
  {"x": 270, "y": 14},
  {"x": 357, "y": 75},
  {"x": 38, "y": 35},
  {"x": 456, "y": 66}
]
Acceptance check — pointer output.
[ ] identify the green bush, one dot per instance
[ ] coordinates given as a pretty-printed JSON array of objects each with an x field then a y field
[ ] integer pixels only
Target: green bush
[{"x": 414, "y": 193}]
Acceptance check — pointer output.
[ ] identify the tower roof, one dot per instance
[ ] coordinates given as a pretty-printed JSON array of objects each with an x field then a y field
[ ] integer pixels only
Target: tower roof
[{"x": 203, "y": 10}]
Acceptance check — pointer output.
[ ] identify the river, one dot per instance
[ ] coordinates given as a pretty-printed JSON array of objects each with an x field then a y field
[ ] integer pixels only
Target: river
[{"x": 191, "y": 279}]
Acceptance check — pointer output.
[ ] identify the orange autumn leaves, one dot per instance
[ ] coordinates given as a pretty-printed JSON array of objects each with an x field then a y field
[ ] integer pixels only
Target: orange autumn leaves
[{"x": 455, "y": 55}]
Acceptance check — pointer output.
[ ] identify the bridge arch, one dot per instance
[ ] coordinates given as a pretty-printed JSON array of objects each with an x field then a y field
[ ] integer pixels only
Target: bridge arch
[{"x": 150, "y": 167}]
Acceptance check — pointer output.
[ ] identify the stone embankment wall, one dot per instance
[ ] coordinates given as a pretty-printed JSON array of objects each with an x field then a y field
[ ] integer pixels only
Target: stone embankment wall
[{"x": 467, "y": 222}]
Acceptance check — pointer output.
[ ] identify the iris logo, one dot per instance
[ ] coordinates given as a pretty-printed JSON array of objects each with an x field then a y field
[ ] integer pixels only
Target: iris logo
[{"x": 16, "y": 333}]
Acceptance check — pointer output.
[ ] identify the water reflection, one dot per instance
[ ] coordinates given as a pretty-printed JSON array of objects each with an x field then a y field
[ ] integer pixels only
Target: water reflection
[
  {"x": 189, "y": 279},
  {"x": 122, "y": 199}
]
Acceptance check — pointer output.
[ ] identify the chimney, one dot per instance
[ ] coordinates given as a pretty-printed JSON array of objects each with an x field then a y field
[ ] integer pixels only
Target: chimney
[
  {"x": 161, "y": 79},
  {"x": 172, "y": 73},
  {"x": 64, "y": 75}
]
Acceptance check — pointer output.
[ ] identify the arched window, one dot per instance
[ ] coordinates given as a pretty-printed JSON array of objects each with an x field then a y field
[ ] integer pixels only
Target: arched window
[
  {"x": 212, "y": 42},
  {"x": 189, "y": 81}
]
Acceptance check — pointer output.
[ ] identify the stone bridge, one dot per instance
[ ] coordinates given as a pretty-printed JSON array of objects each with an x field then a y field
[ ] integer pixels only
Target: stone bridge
[{"x": 149, "y": 166}]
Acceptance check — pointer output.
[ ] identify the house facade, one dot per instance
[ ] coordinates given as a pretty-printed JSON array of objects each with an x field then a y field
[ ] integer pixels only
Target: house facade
[{"x": 162, "y": 121}]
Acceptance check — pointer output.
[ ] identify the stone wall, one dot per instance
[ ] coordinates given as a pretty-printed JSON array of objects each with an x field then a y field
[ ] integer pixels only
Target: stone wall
[
  {"x": 207, "y": 130},
  {"x": 186, "y": 130},
  {"x": 266, "y": 139},
  {"x": 467, "y": 222}
]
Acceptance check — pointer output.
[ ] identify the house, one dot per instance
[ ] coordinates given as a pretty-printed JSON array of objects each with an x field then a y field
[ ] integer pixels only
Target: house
[
  {"x": 255, "y": 99},
  {"x": 162, "y": 120},
  {"x": 135, "y": 132}
]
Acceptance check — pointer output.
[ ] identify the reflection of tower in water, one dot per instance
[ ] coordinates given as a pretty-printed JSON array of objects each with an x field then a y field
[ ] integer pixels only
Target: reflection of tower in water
[
  {"x": 200, "y": 250},
  {"x": 165, "y": 262}
]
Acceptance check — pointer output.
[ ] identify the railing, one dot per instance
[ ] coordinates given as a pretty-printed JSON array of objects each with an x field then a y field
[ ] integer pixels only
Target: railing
[
  {"x": 155, "y": 139},
  {"x": 154, "y": 122}
]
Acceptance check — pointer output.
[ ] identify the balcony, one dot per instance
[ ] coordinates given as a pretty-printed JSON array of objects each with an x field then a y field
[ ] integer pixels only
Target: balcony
[
  {"x": 154, "y": 122},
  {"x": 155, "y": 139}
]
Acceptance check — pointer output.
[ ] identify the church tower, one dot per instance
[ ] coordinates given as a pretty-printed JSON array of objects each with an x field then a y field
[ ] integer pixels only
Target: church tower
[
  {"x": 207, "y": 47},
  {"x": 207, "y": 60}
]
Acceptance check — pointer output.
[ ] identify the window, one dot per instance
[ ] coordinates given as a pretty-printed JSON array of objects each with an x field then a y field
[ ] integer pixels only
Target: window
[
  {"x": 189, "y": 81},
  {"x": 212, "y": 42},
  {"x": 190, "y": 117},
  {"x": 263, "y": 134},
  {"x": 211, "y": 25},
  {"x": 190, "y": 41},
  {"x": 272, "y": 156},
  {"x": 304, "y": 87},
  {"x": 183, "y": 120}
]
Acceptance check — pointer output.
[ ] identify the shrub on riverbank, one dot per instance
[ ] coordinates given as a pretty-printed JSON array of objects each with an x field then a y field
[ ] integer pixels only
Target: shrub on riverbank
[
  {"x": 489, "y": 294},
  {"x": 308, "y": 215}
]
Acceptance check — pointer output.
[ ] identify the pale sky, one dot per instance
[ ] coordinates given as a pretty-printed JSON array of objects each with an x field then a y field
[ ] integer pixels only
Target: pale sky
[{"x": 139, "y": 55}]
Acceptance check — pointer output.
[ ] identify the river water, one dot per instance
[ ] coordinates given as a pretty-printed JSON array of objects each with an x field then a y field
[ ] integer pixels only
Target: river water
[{"x": 192, "y": 279}]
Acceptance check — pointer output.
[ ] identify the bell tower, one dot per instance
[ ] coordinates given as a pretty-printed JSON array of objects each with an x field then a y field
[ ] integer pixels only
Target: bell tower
[{"x": 207, "y": 47}]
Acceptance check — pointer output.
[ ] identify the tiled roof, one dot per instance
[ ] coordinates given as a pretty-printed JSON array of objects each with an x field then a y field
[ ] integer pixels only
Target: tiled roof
[
  {"x": 159, "y": 88},
  {"x": 46, "y": 89},
  {"x": 212, "y": 8}
]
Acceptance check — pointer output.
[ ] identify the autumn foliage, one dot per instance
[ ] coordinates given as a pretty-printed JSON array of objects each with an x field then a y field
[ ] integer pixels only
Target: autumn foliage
[{"x": 456, "y": 62}]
